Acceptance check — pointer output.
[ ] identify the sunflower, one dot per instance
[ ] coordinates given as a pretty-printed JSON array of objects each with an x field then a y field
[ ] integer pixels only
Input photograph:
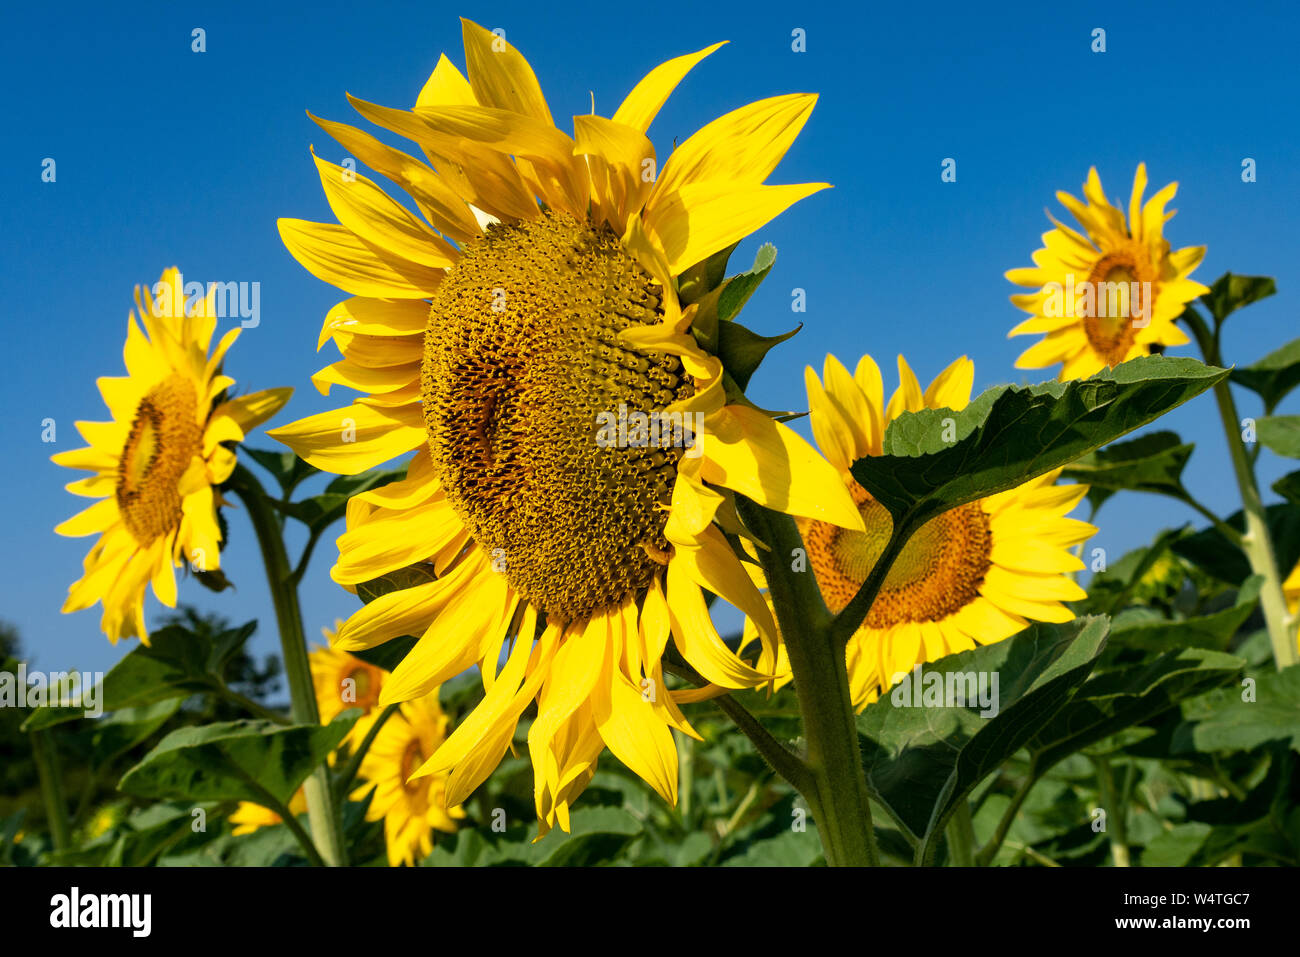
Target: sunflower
[
  {"x": 157, "y": 462},
  {"x": 976, "y": 574},
  {"x": 1112, "y": 295},
  {"x": 411, "y": 808},
  {"x": 249, "y": 817},
  {"x": 1291, "y": 591},
  {"x": 344, "y": 681},
  {"x": 501, "y": 348}
]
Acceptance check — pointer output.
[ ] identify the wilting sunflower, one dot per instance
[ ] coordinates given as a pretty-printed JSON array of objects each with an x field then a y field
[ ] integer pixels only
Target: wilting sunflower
[
  {"x": 1111, "y": 295},
  {"x": 344, "y": 681},
  {"x": 412, "y": 808},
  {"x": 249, "y": 817},
  {"x": 157, "y": 462},
  {"x": 547, "y": 303},
  {"x": 976, "y": 574}
]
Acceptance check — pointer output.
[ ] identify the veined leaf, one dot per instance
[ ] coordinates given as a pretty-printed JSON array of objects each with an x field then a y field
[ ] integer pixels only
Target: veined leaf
[
  {"x": 1150, "y": 463},
  {"x": 1230, "y": 293},
  {"x": 1273, "y": 376},
  {"x": 1119, "y": 699},
  {"x": 285, "y": 467},
  {"x": 1280, "y": 434},
  {"x": 175, "y": 664},
  {"x": 922, "y": 760},
  {"x": 236, "y": 761},
  {"x": 938, "y": 459}
]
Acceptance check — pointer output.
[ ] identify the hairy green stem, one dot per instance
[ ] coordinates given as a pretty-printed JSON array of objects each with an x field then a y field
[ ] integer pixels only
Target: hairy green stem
[
  {"x": 990, "y": 850},
  {"x": 51, "y": 776},
  {"x": 1115, "y": 807},
  {"x": 961, "y": 836},
  {"x": 349, "y": 772},
  {"x": 322, "y": 812},
  {"x": 835, "y": 788},
  {"x": 1257, "y": 541}
]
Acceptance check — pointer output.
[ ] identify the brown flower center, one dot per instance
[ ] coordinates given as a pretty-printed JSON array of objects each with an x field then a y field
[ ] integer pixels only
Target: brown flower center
[
  {"x": 938, "y": 572},
  {"x": 163, "y": 438},
  {"x": 1123, "y": 288},
  {"x": 522, "y": 370}
]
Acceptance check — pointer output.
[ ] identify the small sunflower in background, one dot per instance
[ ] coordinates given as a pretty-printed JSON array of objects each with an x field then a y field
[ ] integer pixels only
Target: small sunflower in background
[
  {"x": 1291, "y": 591},
  {"x": 1112, "y": 294},
  {"x": 412, "y": 808},
  {"x": 157, "y": 462},
  {"x": 249, "y": 817},
  {"x": 976, "y": 574},
  {"x": 543, "y": 293},
  {"x": 344, "y": 681}
]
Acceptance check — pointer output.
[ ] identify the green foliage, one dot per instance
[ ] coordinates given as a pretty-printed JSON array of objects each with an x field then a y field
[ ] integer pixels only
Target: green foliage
[
  {"x": 937, "y": 459},
  {"x": 1274, "y": 376},
  {"x": 1281, "y": 434},
  {"x": 923, "y": 758},
  {"x": 1150, "y": 463},
  {"x": 249, "y": 760}
]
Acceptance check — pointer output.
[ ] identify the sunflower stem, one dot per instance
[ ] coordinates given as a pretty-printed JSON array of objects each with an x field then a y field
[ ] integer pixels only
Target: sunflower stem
[
  {"x": 961, "y": 836},
  {"x": 51, "y": 777},
  {"x": 836, "y": 791},
  {"x": 1257, "y": 541},
  {"x": 1115, "y": 807},
  {"x": 855, "y": 612},
  {"x": 990, "y": 850},
  {"x": 349, "y": 772},
  {"x": 322, "y": 812}
]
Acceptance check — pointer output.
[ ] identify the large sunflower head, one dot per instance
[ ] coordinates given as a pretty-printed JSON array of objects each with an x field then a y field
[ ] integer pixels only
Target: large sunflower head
[
  {"x": 156, "y": 463},
  {"x": 542, "y": 342},
  {"x": 412, "y": 808},
  {"x": 1110, "y": 295},
  {"x": 976, "y": 574}
]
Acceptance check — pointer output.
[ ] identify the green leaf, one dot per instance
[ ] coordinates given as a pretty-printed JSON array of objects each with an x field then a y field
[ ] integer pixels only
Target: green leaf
[
  {"x": 1288, "y": 486},
  {"x": 236, "y": 761},
  {"x": 1214, "y": 631},
  {"x": 1230, "y": 293},
  {"x": 743, "y": 350},
  {"x": 1116, "y": 700},
  {"x": 1281, "y": 434},
  {"x": 1225, "y": 722},
  {"x": 1149, "y": 463},
  {"x": 698, "y": 280},
  {"x": 1213, "y": 553},
  {"x": 390, "y": 654},
  {"x": 176, "y": 663},
  {"x": 1273, "y": 376},
  {"x": 123, "y": 729},
  {"x": 598, "y": 834},
  {"x": 285, "y": 467},
  {"x": 938, "y": 459},
  {"x": 1175, "y": 847},
  {"x": 724, "y": 301},
  {"x": 1135, "y": 576},
  {"x": 321, "y": 511},
  {"x": 921, "y": 761},
  {"x": 787, "y": 848}
]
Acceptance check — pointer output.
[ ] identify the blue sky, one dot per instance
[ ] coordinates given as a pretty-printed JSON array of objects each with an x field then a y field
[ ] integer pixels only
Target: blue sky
[{"x": 166, "y": 156}]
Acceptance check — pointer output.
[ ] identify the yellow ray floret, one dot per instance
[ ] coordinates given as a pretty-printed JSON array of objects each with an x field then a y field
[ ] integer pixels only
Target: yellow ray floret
[
  {"x": 1111, "y": 293},
  {"x": 974, "y": 575},
  {"x": 157, "y": 462},
  {"x": 412, "y": 809},
  {"x": 507, "y": 339}
]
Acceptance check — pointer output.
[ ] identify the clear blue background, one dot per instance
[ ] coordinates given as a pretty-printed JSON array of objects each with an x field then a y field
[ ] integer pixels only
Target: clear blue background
[{"x": 166, "y": 156}]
